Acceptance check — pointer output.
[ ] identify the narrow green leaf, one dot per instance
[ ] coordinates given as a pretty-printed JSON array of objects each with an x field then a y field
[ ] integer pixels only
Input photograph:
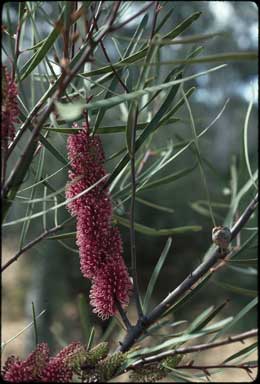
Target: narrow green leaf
[
  {"x": 45, "y": 198},
  {"x": 63, "y": 236},
  {"x": 39, "y": 214},
  {"x": 233, "y": 288},
  {"x": 244, "y": 270},
  {"x": 196, "y": 142},
  {"x": 182, "y": 40},
  {"x": 53, "y": 151},
  {"x": 162, "y": 22},
  {"x": 205, "y": 317},
  {"x": 179, "y": 376},
  {"x": 29, "y": 209},
  {"x": 133, "y": 112},
  {"x": 199, "y": 320},
  {"x": 109, "y": 330},
  {"x": 153, "y": 205},
  {"x": 91, "y": 338},
  {"x": 250, "y": 262},
  {"x": 156, "y": 232},
  {"x": 238, "y": 317},
  {"x": 66, "y": 130},
  {"x": 155, "y": 274},
  {"x": 141, "y": 54},
  {"x": 43, "y": 50},
  {"x": 198, "y": 207},
  {"x": 219, "y": 57},
  {"x": 131, "y": 127},
  {"x": 151, "y": 127},
  {"x": 218, "y": 325},
  {"x": 242, "y": 353},
  {"x": 115, "y": 80},
  {"x": 245, "y": 142},
  {"x": 167, "y": 160},
  {"x": 4, "y": 343},
  {"x": 18, "y": 178},
  {"x": 151, "y": 53},
  {"x": 110, "y": 129},
  {"x": 37, "y": 45},
  {"x": 44, "y": 205},
  {"x": 112, "y": 101},
  {"x": 170, "y": 178},
  {"x": 169, "y": 343},
  {"x": 173, "y": 73},
  {"x": 154, "y": 124},
  {"x": 116, "y": 154},
  {"x": 35, "y": 325},
  {"x": 84, "y": 314},
  {"x": 245, "y": 245}
]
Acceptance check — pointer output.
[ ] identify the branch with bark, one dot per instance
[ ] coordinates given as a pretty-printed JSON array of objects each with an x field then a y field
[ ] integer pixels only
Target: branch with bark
[
  {"x": 195, "y": 348},
  {"x": 191, "y": 280}
]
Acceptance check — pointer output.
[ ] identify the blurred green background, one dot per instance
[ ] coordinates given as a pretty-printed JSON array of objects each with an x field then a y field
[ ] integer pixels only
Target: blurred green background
[{"x": 49, "y": 273}]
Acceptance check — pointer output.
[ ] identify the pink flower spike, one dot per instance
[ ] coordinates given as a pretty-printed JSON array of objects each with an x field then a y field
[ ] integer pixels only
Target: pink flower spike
[
  {"x": 111, "y": 285},
  {"x": 100, "y": 245},
  {"x": 30, "y": 369}
]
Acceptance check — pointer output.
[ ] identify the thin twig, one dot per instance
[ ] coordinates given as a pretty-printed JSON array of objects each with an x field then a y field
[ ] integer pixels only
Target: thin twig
[
  {"x": 206, "y": 367},
  {"x": 113, "y": 68},
  {"x": 155, "y": 16},
  {"x": 147, "y": 154},
  {"x": 244, "y": 217},
  {"x": 17, "y": 39},
  {"x": 75, "y": 6},
  {"x": 108, "y": 59},
  {"x": 187, "y": 284},
  {"x": 30, "y": 245},
  {"x": 132, "y": 220},
  {"x": 195, "y": 348},
  {"x": 123, "y": 315},
  {"x": 116, "y": 27}
]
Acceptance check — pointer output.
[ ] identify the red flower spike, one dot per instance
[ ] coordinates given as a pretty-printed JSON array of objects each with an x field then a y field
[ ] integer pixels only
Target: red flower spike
[{"x": 99, "y": 243}]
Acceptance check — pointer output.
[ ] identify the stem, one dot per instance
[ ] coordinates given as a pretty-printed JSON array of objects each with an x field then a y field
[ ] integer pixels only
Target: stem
[
  {"x": 195, "y": 348},
  {"x": 186, "y": 285},
  {"x": 35, "y": 325},
  {"x": 206, "y": 367},
  {"x": 116, "y": 27},
  {"x": 17, "y": 39},
  {"x": 75, "y": 6},
  {"x": 244, "y": 217},
  {"x": 123, "y": 315},
  {"x": 108, "y": 59},
  {"x": 30, "y": 245},
  {"x": 155, "y": 16}
]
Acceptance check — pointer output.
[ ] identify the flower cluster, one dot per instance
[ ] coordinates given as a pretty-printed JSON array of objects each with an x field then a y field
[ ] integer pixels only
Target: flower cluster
[
  {"x": 10, "y": 109},
  {"x": 40, "y": 367},
  {"x": 99, "y": 243}
]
